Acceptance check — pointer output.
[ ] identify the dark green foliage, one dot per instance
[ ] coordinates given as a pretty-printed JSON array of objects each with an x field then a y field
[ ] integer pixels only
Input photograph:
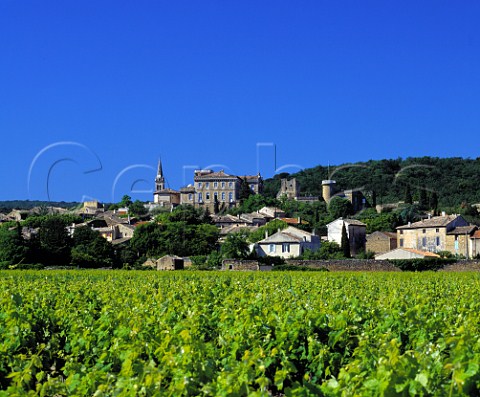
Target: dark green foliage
[
  {"x": 385, "y": 221},
  {"x": 12, "y": 247},
  {"x": 340, "y": 207},
  {"x": 181, "y": 232},
  {"x": 216, "y": 206},
  {"x": 410, "y": 213},
  {"x": 423, "y": 199},
  {"x": 418, "y": 265},
  {"x": 345, "y": 243},
  {"x": 434, "y": 203},
  {"x": 253, "y": 203},
  {"x": 7, "y": 206},
  {"x": 408, "y": 195},
  {"x": 270, "y": 228},
  {"x": 126, "y": 201},
  {"x": 55, "y": 243},
  {"x": 137, "y": 208},
  {"x": 328, "y": 250},
  {"x": 38, "y": 220},
  {"x": 235, "y": 246},
  {"x": 245, "y": 191},
  {"x": 453, "y": 179},
  {"x": 91, "y": 250}
]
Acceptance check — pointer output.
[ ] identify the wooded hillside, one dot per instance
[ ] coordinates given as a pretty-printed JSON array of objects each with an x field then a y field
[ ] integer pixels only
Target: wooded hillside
[{"x": 455, "y": 180}]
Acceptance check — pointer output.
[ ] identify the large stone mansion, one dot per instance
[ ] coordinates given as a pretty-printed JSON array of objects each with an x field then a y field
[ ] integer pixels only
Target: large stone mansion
[{"x": 208, "y": 187}]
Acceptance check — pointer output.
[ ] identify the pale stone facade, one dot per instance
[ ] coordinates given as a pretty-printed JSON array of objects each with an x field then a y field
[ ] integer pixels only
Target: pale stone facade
[
  {"x": 430, "y": 234},
  {"x": 380, "y": 242},
  {"x": 210, "y": 186}
]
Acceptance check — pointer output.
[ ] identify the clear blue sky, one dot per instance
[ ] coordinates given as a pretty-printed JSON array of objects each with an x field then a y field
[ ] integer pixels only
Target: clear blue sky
[{"x": 201, "y": 83}]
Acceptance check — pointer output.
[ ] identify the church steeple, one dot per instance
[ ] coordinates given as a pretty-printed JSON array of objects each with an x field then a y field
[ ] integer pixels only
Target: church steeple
[{"x": 159, "y": 180}]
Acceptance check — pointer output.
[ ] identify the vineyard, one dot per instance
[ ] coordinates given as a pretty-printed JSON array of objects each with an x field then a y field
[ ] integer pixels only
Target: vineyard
[{"x": 118, "y": 333}]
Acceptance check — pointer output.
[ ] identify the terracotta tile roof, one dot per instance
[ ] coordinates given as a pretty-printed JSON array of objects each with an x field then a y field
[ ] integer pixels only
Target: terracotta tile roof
[
  {"x": 436, "y": 221},
  {"x": 476, "y": 234},
  {"x": 293, "y": 221}
]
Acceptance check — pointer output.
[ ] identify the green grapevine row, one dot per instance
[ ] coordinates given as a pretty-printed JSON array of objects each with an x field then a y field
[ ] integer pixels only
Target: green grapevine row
[{"x": 116, "y": 333}]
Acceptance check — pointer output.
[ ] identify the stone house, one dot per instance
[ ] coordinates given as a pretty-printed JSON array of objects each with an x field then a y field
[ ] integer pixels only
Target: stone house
[
  {"x": 475, "y": 243},
  {"x": 287, "y": 243},
  {"x": 460, "y": 241},
  {"x": 211, "y": 186},
  {"x": 167, "y": 262},
  {"x": 355, "y": 232},
  {"x": 380, "y": 242},
  {"x": 433, "y": 234}
]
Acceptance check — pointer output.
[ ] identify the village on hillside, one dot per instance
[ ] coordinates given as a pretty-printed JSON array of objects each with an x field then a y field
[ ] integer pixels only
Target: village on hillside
[{"x": 244, "y": 230}]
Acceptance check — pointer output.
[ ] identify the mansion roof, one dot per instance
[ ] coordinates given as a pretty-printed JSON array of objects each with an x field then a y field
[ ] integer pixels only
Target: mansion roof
[{"x": 436, "y": 221}]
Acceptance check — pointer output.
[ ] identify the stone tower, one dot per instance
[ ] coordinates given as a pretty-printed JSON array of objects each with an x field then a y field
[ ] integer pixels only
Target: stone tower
[
  {"x": 159, "y": 179},
  {"x": 328, "y": 189},
  {"x": 289, "y": 188}
]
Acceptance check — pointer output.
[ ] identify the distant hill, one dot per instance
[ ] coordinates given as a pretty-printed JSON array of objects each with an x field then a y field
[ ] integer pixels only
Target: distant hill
[
  {"x": 455, "y": 180},
  {"x": 7, "y": 206}
]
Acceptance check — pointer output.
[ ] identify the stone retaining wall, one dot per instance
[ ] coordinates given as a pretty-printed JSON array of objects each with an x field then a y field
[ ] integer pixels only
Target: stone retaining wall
[
  {"x": 463, "y": 266},
  {"x": 347, "y": 265}
]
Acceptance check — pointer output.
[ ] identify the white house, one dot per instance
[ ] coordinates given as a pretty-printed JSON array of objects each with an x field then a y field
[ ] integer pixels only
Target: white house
[
  {"x": 356, "y": 232},
  {"x": 288, "y": 243}
]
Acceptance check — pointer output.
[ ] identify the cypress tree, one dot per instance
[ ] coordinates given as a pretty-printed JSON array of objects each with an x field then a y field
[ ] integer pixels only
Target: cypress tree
[
  {"x": 408, "y": 195},
  {"x": 345, "y": 244}
]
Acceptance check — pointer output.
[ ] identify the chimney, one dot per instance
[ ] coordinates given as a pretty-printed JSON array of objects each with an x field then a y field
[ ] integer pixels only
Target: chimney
[
  {"x": 266, "y": 233},
  {"x": 299, "y": 220},
  {"x": 409, "y": 223},
  {"x": 443, "y": 213},
  {"x": 429, "y": 216}
]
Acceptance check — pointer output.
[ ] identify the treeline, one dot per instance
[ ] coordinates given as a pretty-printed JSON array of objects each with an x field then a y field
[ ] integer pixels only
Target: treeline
[
  {"x": 454, "y": 180},
  {"x": 8, "y": 205}
]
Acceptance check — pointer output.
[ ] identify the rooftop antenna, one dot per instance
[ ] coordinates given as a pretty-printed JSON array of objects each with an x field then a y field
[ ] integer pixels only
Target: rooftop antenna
[{"x": 328, "y": 167}]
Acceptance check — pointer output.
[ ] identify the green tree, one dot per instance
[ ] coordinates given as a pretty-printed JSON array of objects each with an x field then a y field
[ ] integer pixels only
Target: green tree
[
  {"x": 91, "y": 250},
  {"x": 235, "y": 246},
  {"x": 54, "y": 241},
  {"x": 269, "y": 229},
  {"x": 216, "y": 206},
  {"x": 408, "y": 195},
  {"x": 138, "y": 208},
  {"x": 245, "y": 192},
  {"x": 434, "y": 202},
  {"x": 345, "y": 243},
  {"x": 12, "y": 246},
  {"x": 340, "y": 207},
  {"x": 126, "y": 201},
  {"x": 423, "y": 199}
]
